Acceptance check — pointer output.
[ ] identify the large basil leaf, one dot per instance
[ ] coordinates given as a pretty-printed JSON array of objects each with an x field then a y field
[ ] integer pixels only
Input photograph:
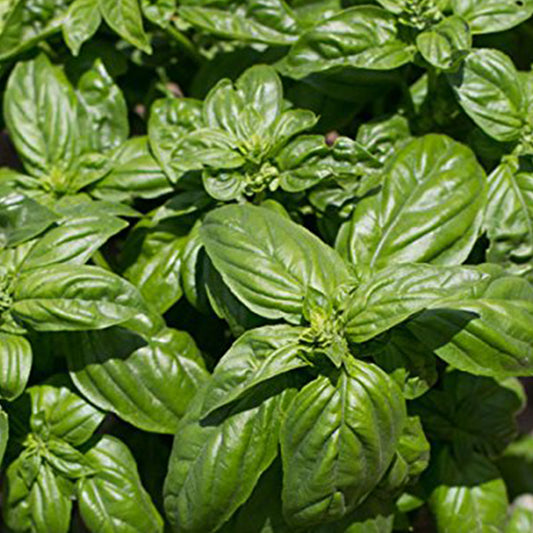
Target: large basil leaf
[
  {"x": 40, "y": 113},
  {"x": 73, "y": 297},
  {"x": 509, "y": 216},
  {"x": 429, "y": 209},
  {"x": 256, "y": 357},
  {"x": 490, "y": 333},
  {"x": 103, "y": 110},
  {"x": 488, "y": 89},
  {"x": 396, "y": 293},
  {"x": 471, "y": 412},
  {"x": 124, "y": 17},
  {"x": 153, "y": 255},
  {"x": 35, "y": 498},
  {"x": 15, "y": 365},
  {"x": 468, "y": 496},
  {"x": 365, "y": 37},
  {"x": 58, "y": 412},
  {"x": 21, "y": 218},
  {"x": 114, "y": 499},
  {"x": 521, "y": 518},
  {"x": 264, "y": 21},
  {"x": 82, "y": 20},
  {"x": 74, "y": 241},
  {"x": 338, "y": 438},
  {"x": 487, "y": 16},
  {"x": 268, "y": 261},
  {"x": 216, "y": 462},
  {"x": 148, "y": 383},
  {"x": 135, "y": 174}
]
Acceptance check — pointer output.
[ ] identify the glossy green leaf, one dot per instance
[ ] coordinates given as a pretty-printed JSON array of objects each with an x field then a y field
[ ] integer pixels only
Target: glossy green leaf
[
  {"x": 364, "y": 37},
  {"x": 21, "y": 218},
  {"x": 516, "y": 465},
  {"x": 268, "y": 261},
  {"x": 135, "y": 174},
  {"x": 73, "y": 297},
  {"x": 446, "y": 43},
  {"x": 15, "y": 365},
  {"x": 338, "y": 438},
  {"x": 468, "y": 497},
  {"x": 258, "y": 356},
  {"x": 124, "y": 17},
  {"x": 67, "y": 461},
  {"x": 114, "y": 499},
  {"x": 216, "y": 462},
  {"x": 488, "y": 89},
  {"x": 40, "y": 113},
  {"x": 489, "y": 333},
  {"x": 489, "y": 16},
  {"x": 41, "y": 505},
  {"x": 396, "y": 293},
  {"x": 153, "y": 256},
  {"x": 429, "y": 208},
  {"x": 472, "y": 413},
  {"x": 103, "y": 110},
  {"x": 73, "y": 241},
  {"x": 521, "y": 518},
  {"x": 263, "y": 21},
  {"x": 509, "y": 216},
  {"x": 147, "y": 382},
  {"x": 57, "y": 411},
  {"x": 82, "y": 20}
]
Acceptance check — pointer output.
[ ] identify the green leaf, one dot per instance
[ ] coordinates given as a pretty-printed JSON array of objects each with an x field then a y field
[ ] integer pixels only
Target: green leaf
[
  {"x": 408, "y": 362},
  {"x": 153, "y": 257},
  {"x": 488, "y": 89},
  {"x": 15, "y": 365},
  {"x": 114, "y": 499},
  {"x": 338, "y": 438},
  {"x": 365, "y": 37},
  {"x": 258, "y": 356},
  {"x": 490, "y": 16},
  {"x": 170, "y": 120},
  {"x": 21, "y": 218},
  {"x": 73, "y": 241},
  {"x": 490, "y": 333},
  {"x": 396, "y": 293},
  {"x": 103, "y": 110},
  {"x": 124, "y": 17},
  {"x": 467, "y": 497},
  {"x": 66, "y": 460},
  {"x": 268, "y": 261},
  {"x": 135, "y": 174},
  {"x": 57, "y": 411},
  {"x": 509, "y": 216},
  {"x": 40, "y": 506},
  {"x": 4, "y": 434},
  {"x": 472, "y": 413},
  {"x": 40, "y": 113},
  {"x": 73, "y": 297},
  {"x": 445, "y": 44},
  {"x": 147, "y": 382},
  {"x": 159, "y": 11},
  {"x": 216, "y": 462},
  {"x": 81, "y": 23},
  {"x": 264, "y": 21},
  {"x": 429, "y": 208},
  {"x": 516, "y": 465}
]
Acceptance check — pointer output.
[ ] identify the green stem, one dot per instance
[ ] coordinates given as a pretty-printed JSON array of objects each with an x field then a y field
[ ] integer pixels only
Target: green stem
[{"x": 184, "y": 43}]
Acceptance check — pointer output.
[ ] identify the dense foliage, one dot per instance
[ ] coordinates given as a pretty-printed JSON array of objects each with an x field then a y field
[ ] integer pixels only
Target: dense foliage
[{"x": 266, "y": 266}]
